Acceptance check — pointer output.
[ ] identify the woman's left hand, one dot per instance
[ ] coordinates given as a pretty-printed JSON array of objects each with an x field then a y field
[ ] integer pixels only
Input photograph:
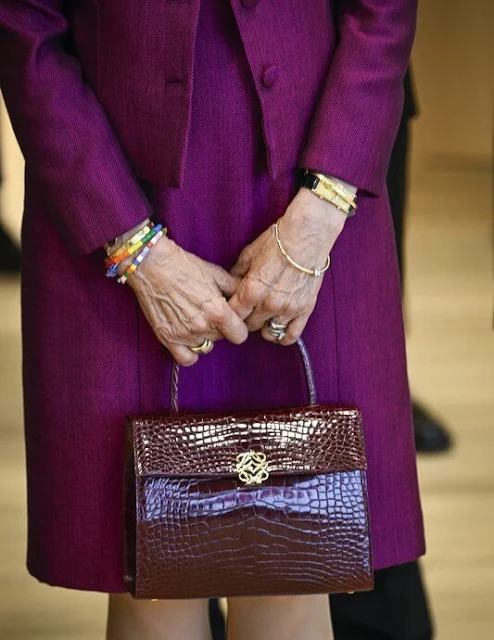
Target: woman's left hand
[{"x": 273, "y": 288}]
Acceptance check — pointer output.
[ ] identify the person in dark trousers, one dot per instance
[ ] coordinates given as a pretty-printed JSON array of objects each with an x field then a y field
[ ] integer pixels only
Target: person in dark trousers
[{"x": 400, "y": 589}]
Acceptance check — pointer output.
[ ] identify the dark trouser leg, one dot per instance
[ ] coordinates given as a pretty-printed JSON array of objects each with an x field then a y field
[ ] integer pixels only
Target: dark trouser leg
[
  {"x": 395, "y": 610},
  {"x": 217, "y": 621}
]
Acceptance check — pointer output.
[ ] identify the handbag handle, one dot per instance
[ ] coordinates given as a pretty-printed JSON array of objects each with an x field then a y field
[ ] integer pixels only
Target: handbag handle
[{"x": 309, "y": 377}]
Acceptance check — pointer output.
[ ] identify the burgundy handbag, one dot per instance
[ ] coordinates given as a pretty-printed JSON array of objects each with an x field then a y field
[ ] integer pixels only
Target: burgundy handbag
[{"x": 264, "y": 502}]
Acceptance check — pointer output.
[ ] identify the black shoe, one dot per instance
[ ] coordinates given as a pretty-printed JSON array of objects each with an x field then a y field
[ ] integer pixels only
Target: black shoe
[{"x": 430, "y": 435}]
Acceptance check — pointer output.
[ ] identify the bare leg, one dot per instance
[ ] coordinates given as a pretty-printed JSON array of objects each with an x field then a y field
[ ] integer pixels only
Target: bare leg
[
  {"x": 280, "y": 618},
  {"x": 130, "y": 619}
]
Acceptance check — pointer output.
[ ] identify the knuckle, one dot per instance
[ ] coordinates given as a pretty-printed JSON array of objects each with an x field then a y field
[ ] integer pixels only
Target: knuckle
[
  {"x": 273, "y": 302},
  {"x": 219, "y": 314},
  {"x": 252, "y": 293},
  {"x": 199, "y": 324}
]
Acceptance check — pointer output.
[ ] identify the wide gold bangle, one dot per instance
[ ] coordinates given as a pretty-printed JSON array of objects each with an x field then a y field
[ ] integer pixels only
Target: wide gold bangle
[
  {"x": 342, "y": 192},
  {"x": 311, "y": 272},
  {"x": 330, "y": 190}
]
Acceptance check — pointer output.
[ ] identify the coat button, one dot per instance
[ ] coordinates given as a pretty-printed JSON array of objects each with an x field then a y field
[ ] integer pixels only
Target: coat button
[
  {"x": 270, "y": 75},
  {"x": 249, "y": 4}
]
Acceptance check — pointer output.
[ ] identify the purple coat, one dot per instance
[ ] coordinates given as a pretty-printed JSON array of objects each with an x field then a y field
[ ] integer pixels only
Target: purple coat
[
  {"x": 102, "y": 104},
  {"x": 337, "y": 108}
]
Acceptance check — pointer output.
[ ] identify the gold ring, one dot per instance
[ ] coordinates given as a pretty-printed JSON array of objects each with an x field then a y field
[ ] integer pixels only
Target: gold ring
[{"x": 205, "y": 347}]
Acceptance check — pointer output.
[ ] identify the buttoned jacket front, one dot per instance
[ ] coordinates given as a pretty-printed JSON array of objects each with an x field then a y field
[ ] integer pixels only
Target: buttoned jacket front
[{"x": 110, "y": 83}]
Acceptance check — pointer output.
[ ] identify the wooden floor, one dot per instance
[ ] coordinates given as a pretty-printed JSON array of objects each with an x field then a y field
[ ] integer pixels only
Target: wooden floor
[{"x": 451, "y": 356}]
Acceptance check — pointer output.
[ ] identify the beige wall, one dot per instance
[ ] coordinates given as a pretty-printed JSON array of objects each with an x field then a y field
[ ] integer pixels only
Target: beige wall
[{"x": 454, "y": 62}]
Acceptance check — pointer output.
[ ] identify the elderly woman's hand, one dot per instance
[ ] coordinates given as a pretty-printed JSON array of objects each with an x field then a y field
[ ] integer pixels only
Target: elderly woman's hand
[
  {"x": 273, "y": 288},
  {"x": 184, "y": 298}
]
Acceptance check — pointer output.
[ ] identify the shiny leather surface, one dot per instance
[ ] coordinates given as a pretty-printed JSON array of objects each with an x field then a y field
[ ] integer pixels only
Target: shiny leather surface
[
  {"x": 194, "y": 530},
  {"x": 311, "y": 439}
]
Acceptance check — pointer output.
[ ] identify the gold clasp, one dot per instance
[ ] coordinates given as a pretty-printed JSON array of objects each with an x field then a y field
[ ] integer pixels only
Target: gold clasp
[{"x": 252, "y": 467}]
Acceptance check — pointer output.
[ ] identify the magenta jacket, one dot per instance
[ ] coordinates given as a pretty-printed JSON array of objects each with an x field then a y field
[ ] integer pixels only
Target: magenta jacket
[{"x": 91, "y": 125}]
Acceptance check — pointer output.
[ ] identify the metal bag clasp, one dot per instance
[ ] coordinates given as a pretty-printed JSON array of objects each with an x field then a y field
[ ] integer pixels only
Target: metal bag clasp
[{"x": 252, "y": 467}]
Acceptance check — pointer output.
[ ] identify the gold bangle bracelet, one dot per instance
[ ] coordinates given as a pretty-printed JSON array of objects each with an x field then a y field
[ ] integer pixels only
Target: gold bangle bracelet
[
  {"x": 329, "y": 195},
  {"x": 311, "y": 272},
  {"x": 341, "y": 191}
]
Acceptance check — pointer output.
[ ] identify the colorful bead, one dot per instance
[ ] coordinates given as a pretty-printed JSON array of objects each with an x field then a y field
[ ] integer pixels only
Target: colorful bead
[
  {"x": 137, "y": 261},
  {"x": 121, "y": 254},
  {"x": 132, "y": 240},
  {"x": 112, "y": 263}
]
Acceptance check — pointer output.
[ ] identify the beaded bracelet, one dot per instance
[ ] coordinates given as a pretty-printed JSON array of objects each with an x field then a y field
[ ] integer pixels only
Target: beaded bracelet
[
  {"x": 125, "y": 252},
  {"x": 132, "y": 240},
  {"x": 112, "y": 263},
  {"x": 125, "y": 276}
]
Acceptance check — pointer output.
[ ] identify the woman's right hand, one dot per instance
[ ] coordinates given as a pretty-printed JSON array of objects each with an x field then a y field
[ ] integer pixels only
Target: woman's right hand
[{"x": 184, "y": 299}]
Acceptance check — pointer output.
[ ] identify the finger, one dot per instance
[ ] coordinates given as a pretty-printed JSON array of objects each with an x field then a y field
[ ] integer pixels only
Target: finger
[
  {"x": 226, "y": 282},
  {"x": 273, "y": 305},
  {"x": 231, "y": 325},
  {"x": 279, "y": 319},
  {"x": 242, "y": 265},
  {"x": 257, "y": 319},
  {"x": 201, "y": 327},
  {"x": 294, "y": 330},
  {"x": 240, "y": 305},
  {"x": 182, "y": 354}
]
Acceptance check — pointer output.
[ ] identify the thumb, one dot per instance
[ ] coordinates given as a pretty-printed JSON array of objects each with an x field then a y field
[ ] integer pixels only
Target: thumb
[{"x": 242, "y": 265}]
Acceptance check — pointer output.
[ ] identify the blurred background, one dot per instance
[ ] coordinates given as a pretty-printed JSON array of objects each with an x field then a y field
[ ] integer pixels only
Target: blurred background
[{"x": 449, "y": 302}]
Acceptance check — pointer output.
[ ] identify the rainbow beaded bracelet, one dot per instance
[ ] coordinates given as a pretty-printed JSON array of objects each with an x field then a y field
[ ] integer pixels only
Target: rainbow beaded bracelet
[
  {"x": 132, "y": 240},
  {"x": 113, "y": 262},
  {"x": 124, "y": 277}
]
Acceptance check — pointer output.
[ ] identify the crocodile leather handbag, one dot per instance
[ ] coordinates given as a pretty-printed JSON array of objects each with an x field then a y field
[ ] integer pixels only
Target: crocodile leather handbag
[{"x": 265, "y": 502}]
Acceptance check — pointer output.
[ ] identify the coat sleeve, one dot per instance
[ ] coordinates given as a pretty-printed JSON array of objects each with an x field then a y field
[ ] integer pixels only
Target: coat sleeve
[
  {"x": 71, "y": 151},
  {"x": 357, "y": 116}
]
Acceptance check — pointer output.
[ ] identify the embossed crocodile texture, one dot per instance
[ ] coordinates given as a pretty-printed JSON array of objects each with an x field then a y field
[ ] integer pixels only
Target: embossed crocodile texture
[
  {"x": 194, "y": 530},
  {"x": 316, "y": 439}
]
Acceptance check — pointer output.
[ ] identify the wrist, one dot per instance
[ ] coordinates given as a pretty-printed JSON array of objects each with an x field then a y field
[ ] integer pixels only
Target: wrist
[
  {"x": 338, "y": 193},
  {"x": 163, "y": 248},
  {"x": 317, "y": 214},
  {"x": 119, "y": 241}
]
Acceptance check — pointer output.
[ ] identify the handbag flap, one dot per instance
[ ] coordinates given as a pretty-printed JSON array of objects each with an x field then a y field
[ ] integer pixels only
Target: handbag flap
[{"x": 313, "y": 439}]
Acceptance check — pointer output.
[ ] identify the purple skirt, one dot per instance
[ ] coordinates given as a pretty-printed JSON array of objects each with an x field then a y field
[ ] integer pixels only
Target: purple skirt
[{"x": 90, "y": 357}]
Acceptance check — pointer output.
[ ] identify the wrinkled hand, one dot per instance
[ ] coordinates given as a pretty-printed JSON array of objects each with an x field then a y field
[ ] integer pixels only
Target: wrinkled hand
[
  {"x": 184, "y": 298},
  {"x": 273, "y": 288}
]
